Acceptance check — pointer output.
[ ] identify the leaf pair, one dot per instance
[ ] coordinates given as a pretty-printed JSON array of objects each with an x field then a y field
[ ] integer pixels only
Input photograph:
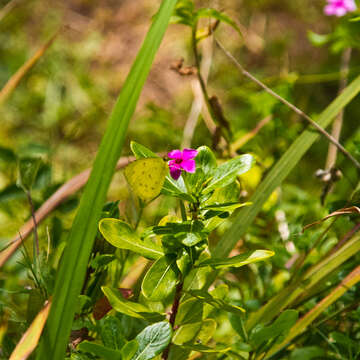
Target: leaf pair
[{"x": 147, "y": 344}]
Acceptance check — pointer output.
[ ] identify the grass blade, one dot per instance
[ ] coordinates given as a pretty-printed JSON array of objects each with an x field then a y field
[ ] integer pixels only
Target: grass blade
[
  {"x": 281, "y": 170},
  {"x": 295, "y": 292},
  {"x": 74, "y": 262},
  {"x": 352, "y": 279},
  {"x": 30, "y": 339}
]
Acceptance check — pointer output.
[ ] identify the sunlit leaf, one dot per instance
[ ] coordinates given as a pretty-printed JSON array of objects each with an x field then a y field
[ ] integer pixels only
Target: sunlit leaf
[
  {"x": 239, "y": 260},
  {"x": 122, "y": 236},
  {"x": 130, "y": 308},
  {"x": 160, "y": 281},
  {"x": 153, "y": 340}
]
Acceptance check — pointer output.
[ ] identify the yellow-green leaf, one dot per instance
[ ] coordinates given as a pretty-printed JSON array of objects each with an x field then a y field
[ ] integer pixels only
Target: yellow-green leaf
[{"x": 122, "y": 236}]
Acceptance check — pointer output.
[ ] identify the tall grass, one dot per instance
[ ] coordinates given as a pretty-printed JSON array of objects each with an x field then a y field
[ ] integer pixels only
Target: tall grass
[{"x": 79, "y": 244}]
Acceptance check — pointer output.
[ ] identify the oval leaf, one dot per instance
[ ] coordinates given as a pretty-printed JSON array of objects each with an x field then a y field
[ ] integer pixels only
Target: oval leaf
[
  {"x": 160, "y": 280},
  {"x": 226, "y": 173},
  {"x": 130, "y": 308},
  {"x": 146, "y": 177},
  {"x": 122, "y": 236},
  {"x": 239, "y": 260},
  {"x": 153, "y": 340}
]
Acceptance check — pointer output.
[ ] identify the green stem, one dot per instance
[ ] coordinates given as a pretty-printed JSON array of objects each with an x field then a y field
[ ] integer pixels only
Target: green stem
[{"x": 183, "y": 211}]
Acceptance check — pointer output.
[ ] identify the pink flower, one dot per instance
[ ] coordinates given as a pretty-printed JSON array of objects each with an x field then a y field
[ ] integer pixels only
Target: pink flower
[
  {"x": 182, "y": 160},
  {"x": 339, "y": 7}
]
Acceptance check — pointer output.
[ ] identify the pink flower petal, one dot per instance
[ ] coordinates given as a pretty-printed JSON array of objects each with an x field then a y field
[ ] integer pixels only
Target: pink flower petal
[
  {"x": 188, "y": 165},
  {"x": 175, "y": 172},
  {"x": 329, "y": 10},
  {"x": 189, "y": 154},
  {"x": 175, "y": 154},
  {"x": 174, "y": 164}
]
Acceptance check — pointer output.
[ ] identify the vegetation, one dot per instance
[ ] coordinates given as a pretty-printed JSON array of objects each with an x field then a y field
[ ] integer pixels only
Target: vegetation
[{"x": 220, "y": 212}]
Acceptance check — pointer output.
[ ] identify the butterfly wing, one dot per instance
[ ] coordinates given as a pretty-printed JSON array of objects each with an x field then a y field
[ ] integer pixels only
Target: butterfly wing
[{"x": 146, "y": 177}]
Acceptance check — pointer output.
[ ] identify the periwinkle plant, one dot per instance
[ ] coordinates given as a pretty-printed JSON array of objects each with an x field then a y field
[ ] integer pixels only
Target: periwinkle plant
[{"x": 179, "y": 246}]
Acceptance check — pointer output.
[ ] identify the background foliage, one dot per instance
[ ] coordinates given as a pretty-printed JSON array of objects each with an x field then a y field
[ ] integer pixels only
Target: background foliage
[{"x": 59, "y": 110}]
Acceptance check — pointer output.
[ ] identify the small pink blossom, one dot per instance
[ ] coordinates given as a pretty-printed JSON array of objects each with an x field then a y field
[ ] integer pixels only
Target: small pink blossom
[
  {"x": 182, "y": 160},
  {"x": 339, "y": 7}
]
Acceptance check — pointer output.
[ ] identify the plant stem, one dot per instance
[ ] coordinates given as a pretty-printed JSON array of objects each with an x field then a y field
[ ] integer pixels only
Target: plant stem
[
  {"x": 291, "y": 106},
  {"x": 221, "y": 123},
  {"x": 336, "y": 129},
  {"x": 183, "y": 211},
  {"x": 174, "y": 310},
  {"x": 32, "y": 209}
]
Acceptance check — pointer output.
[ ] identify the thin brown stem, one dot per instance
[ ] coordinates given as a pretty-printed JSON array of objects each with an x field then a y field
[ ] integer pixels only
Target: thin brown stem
[
  {"x": 174, "y": 310},
  {"x": 291, "y": 106},
  {"x": 221, "y": 123}
]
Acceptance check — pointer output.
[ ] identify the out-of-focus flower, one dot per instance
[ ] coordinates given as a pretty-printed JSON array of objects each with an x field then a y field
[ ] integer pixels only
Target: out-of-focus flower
[
  {"x": 339, "y": 7},
  {"x": 182, "y": 160}
]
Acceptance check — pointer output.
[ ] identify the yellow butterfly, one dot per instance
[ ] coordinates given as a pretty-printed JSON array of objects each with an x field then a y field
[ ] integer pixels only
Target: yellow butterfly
[{"x": 146, "y": 177}]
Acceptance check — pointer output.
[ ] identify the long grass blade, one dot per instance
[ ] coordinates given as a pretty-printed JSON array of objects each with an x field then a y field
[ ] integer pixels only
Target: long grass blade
[
  {"x": 74, "y": 262},
  {"x": 281, "y": 170},
  {"x": 30, "y": 339},
  {"x": 295, "y": 292},
  {"x": 352, "y": 279}
]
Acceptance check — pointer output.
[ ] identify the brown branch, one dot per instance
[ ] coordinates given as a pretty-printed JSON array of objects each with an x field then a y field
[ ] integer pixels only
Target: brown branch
[
  {"x": 66, "y": 190},
  {"x": 250, "y": 135},
  {"x": 14, "y": 81},
  {"x": 288, "y": 104}
]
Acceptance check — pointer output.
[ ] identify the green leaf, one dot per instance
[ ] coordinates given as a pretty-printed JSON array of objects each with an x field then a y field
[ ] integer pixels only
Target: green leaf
[
  {"x": 280, "y": 327},
  {"x": 84, "y": 229},
  {"x": 206, "y": 332},
  {"x": 146, "y": 177},
  {"x": 226, "y": 173},
  {"x": 308, "y": 353},
  {"x": 102, "y": 260},
  {"x": 99, "y": 350},
  {"x": 160, "y": 281},
  {"x": 184, "y": 13},
  {"x": 129, "y": 350},
  {"x": 130, "y": 308},
  {"x": 28, "y": 169},
  {"x": 122, "y": 236},
  {"x": 239, "y": 260},
  {"x": 206, "y": 349},
  {"x": 212, "y": 13},
  {"x": 11, "y": 192},
  {"x": 7, "y": 155},
  {"x": 153, "y": 340},
  {"x": 176, "y": 188},
  {"x": 140, "y": 151},
  {"x": 281, "y": 170},
  {"x": 318, "y": 39},
  {"x": 217, "y": 303},
  {"x": 186, "y": 333},
  {"x": 111, "y": 333},
  {"x": 206, "y": 160},
  {"x": 225, "y": 206},
  {"x": 190, "y": 311}
]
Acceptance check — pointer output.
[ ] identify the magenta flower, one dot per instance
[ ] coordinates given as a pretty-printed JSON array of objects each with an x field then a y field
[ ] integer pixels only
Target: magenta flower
[
  {"x": 182, "y": 160},
  {"x": 339, "y": 7}
]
